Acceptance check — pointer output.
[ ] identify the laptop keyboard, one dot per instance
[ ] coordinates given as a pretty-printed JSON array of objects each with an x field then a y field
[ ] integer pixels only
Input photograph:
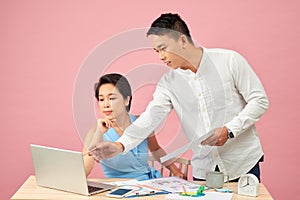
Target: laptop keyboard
[{"x": 93, "y": 189}]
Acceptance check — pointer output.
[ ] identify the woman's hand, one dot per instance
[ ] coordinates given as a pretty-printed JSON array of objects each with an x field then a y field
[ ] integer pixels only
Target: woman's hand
[
  {"x": 105, "y": 124},
  {"x": 102, "y": 126},
  {"x": 176, "y": 171},
  {"x": 158, "y": 152}
]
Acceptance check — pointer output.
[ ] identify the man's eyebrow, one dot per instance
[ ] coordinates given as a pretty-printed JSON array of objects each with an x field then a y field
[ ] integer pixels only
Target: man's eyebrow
[{"x": 159, "y": 46}]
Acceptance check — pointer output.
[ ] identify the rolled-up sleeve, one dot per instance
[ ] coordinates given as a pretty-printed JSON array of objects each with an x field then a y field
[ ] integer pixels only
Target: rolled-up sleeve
[{"x": 252, "y": 90}]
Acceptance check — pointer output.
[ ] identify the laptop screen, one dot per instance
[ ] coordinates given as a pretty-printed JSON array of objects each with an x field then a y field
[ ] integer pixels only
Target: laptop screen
[{"x": 61, "y": 169}]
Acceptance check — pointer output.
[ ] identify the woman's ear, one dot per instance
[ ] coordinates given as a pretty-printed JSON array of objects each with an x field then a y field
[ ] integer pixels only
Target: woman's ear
[{"x": 126, "y": 101}]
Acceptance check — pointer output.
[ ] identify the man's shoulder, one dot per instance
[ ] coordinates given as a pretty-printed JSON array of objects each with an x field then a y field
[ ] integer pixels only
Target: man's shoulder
[
  {"x": 219, "y": 51},
  {"x": 221, "y": 54},
  {"x": 171, "y": 76}
]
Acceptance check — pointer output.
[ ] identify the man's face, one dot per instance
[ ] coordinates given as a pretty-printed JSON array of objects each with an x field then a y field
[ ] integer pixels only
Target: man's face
[{"x": 169, "y": 50}]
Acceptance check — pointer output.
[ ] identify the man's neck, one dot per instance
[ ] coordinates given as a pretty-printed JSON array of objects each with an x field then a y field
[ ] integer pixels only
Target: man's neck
[{"x": 194, "y": 59}]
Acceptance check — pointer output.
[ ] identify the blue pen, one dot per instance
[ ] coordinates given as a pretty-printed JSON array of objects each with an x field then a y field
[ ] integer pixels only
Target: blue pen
[
  {"x": 225, "y": 190},
  {"x": 144, "y": 193}
]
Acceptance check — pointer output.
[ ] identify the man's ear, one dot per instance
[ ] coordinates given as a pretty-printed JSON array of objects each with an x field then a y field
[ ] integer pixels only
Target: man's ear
[{"x": 183, "y": 41}]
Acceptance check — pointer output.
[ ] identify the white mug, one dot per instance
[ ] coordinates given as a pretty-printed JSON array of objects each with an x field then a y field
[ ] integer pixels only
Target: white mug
[{"x": 215, "y": 179}]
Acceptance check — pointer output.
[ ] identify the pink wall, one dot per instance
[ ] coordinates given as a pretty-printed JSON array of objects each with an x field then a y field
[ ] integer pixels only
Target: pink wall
[{"x": 44, "y": 43}]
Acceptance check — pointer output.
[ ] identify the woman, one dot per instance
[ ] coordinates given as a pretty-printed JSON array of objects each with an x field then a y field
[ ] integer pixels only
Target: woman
[{"x": 113, "y": 93}]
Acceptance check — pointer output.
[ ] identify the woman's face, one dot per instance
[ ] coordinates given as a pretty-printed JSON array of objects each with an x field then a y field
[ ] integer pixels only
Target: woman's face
[{"x": 111, "y": 102}]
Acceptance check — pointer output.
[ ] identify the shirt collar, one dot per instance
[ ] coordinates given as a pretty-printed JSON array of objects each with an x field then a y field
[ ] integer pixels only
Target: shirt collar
[{"x": 188, "y": 72}]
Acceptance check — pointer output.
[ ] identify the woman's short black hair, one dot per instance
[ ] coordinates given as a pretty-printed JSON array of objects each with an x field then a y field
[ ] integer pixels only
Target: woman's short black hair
[
  {"x": 170, "y": 24},
  {"x": 119, "y": 82}
]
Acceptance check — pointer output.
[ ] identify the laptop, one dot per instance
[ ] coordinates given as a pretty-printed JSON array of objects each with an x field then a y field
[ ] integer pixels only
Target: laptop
[{"x": 63, "y": 170}]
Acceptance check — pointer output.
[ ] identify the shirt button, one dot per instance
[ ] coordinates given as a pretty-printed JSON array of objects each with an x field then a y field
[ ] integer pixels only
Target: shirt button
[{"x": 199, "y": 94}]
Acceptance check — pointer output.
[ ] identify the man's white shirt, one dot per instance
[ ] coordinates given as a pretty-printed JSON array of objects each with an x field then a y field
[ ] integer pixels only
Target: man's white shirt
[{"x": 224, "y": 91}]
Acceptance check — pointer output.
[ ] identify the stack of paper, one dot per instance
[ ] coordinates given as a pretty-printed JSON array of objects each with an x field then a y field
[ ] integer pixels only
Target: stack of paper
[
  {"x": 172, "y": 184},
  {"x": 207, "y": 196}
]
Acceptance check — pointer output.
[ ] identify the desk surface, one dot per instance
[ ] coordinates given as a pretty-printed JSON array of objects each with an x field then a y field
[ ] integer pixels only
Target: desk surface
[{"x": 30, "y": 190}]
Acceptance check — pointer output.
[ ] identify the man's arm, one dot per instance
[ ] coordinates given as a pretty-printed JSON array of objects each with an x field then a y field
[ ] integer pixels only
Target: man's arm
[
  {"x": 251, "y": 88},
  {"x": 155, "y": 113}
]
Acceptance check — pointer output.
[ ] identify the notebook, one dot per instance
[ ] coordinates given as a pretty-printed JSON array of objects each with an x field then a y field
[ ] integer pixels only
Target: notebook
[{"x": 63, "y": 170}]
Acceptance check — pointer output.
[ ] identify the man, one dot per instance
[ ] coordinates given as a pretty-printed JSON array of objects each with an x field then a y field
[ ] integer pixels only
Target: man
[{"x": 210, "y": 89}]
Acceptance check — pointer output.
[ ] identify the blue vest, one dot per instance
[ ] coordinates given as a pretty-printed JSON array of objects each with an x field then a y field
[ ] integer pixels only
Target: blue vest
[{"x": 134, "y": 164}]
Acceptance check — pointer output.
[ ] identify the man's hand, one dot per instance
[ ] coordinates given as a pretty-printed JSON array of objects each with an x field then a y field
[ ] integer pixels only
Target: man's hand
[
  {"x": 104, "y": 150},
  {"x": 219, "y": 137}
]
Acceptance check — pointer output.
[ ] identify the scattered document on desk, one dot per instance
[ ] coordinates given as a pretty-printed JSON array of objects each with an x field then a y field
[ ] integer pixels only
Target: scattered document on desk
[
  {"x": 125, "y": 183},
  {"x": 172, "y": 184},
  {"x": 207, "y": 196}
]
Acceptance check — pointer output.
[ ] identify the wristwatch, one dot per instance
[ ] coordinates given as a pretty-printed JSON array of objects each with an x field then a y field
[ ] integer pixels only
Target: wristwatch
[{"x": 230, "y": 134}]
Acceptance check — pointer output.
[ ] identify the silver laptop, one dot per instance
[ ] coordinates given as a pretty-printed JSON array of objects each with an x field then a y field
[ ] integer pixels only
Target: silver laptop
[{"x": 63, "y": 170}]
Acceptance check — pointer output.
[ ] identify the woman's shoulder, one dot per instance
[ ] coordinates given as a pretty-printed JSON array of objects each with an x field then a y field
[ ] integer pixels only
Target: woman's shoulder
[{"x": 133, "y": 117}]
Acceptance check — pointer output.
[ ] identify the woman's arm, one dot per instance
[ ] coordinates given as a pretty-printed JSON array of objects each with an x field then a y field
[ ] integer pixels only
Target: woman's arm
[
  {"x": 94, "y": 136},
  {"x": 158, "y": 152},
  {"x": 91, "y": 138}
]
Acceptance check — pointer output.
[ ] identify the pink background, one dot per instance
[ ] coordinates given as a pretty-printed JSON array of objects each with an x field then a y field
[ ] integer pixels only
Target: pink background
[{"x": 43, "y": 44}]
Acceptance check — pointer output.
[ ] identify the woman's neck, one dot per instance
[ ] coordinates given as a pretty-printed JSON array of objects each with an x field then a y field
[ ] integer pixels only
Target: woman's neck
[{"x": 123, "y": 122}]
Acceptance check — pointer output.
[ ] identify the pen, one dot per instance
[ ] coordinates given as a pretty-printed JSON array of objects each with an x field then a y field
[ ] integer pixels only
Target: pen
[
  {"x": 184, "y": 190},
  {"x": 150, "y": 187},
  {"x": 223, "y": 190},
  {"x": 89, "y": 151},
  {"x": 144, "y": 193}
]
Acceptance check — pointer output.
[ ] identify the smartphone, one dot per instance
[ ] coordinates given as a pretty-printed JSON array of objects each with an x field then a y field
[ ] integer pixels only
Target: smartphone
[{"x": 119, "y": 193}]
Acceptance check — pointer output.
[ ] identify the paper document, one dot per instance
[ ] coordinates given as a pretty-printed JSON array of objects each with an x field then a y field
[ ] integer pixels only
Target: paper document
[
  {"x": 186, "y": 147},
  {"x": 125, "y": 183},
  {"x": 207, "y": 196},
  {"x": 172, "y": 184},
  {"x": 138, "y": 188}
]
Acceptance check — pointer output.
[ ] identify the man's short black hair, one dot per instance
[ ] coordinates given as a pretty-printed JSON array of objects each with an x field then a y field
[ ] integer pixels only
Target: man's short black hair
[{"x": 170, "y": 24}]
